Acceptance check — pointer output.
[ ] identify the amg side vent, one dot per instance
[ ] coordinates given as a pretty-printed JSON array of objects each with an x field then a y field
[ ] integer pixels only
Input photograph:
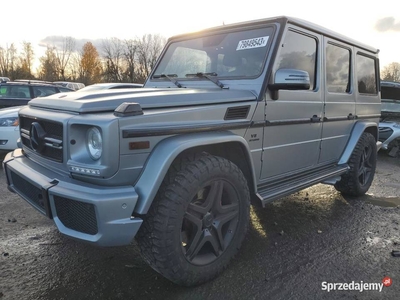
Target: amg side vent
[{"x": 238, "y": 112}]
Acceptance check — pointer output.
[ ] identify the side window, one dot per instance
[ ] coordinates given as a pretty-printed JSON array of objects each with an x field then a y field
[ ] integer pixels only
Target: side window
[
  {"x": 16, "y": 91},
  {"x": 366, "y": 75},
  {"x": 299, "y": 52},
  {"x": 337, "y": 69},
  {"x": 43, "y": 91},
  {"x": 3, "y": 91}
]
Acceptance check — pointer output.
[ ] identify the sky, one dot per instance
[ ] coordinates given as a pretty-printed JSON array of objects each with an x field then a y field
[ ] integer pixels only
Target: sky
[{"x": 42, "y": 21}]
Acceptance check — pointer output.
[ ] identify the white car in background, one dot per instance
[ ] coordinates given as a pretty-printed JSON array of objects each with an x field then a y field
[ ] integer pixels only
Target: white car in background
[{"x": 9, "y": 128}]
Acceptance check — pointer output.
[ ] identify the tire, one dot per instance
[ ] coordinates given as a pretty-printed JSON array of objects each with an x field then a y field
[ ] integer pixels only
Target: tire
[
  {"x": 362, "y": 165},
  {"x": 197, "y": 221}
]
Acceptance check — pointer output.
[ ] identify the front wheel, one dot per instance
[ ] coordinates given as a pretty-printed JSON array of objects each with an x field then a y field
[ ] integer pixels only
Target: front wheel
[
  {"x": 198, "y": 220},
  {"x": 362, "y": 165}
]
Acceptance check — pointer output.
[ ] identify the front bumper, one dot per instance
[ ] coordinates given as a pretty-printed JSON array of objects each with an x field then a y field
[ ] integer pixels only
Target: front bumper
[
  {"x": 95, "y": 214},
  {"x": 388, "y": 132}
]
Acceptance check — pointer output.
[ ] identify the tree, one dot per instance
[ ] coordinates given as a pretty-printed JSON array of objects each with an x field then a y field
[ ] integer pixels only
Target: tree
[
  {"x": 26, "y": 60},
  {"x": 148, "y": 49},
  {"x": 391, "y": 72},
  {"x": 8, "y": 60},
  {"x": 48, "y": 65},
  {"x": 63, "y": 56},
  {"x": 75, "y": 68},
  {"x": 90, "y": 64},
  {"x": 130, "y": 59},
  {"x": 113, "y": 53}
]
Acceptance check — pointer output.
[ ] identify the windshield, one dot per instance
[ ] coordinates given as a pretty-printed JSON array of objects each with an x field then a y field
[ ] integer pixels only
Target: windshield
[{"x": 234, "y": 54}]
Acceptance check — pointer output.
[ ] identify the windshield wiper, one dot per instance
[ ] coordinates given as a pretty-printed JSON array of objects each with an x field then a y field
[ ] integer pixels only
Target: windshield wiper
[
  {"x": 169, "y": 76},
  {"x": 209, "y": 76}
]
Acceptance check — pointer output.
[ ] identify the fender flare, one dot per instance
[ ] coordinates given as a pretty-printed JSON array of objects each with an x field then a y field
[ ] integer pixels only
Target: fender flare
[
  {"x": 358, "y": 130},
  {"x": 164, "y": 154}
]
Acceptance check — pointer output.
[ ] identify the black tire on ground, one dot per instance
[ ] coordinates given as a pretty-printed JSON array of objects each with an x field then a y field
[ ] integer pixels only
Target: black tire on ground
[
  {"x": 197, "y": 221},
  {"x": 362, "y": 165}
]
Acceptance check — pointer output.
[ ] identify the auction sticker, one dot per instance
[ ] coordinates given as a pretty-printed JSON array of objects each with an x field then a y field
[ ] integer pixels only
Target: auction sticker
[{"x": 257, "y": 42}]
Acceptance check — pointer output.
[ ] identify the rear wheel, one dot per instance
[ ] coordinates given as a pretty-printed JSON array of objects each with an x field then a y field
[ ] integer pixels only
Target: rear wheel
[
  {"x": 198, "y": 220},
  {"x": 362, "y": 165}
]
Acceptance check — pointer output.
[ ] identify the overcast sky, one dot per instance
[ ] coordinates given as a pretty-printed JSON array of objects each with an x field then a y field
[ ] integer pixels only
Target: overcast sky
[{"x": 42, "y": 21}]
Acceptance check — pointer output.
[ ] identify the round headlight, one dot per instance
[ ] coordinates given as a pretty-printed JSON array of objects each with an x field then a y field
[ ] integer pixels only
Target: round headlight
[{"x": 94, "y": 143}]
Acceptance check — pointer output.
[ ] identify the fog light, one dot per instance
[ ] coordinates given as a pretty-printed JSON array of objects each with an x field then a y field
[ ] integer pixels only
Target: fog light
[
  {"x": 86, "y": 171},
  {"x": 3, "y": 142}
]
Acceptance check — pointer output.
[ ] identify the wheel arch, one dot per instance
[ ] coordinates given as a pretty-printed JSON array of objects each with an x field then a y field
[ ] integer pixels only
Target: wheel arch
[
  {"x": 358, "y": 129},
  {"x": 170, "y": 149}
]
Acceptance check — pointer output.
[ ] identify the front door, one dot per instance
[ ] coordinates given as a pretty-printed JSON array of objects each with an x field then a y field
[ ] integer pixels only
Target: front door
[{"x": 292, "y": 133}]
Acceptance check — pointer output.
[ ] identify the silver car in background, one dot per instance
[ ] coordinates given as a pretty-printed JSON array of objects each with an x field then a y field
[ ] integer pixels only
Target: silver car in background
[{"x": 389, "y": 127}]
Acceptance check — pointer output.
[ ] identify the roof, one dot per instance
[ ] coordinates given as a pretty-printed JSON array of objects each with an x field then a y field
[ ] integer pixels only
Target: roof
[
  {"x": 283, "y": 20},
  {"x": 27, "y": 83}
]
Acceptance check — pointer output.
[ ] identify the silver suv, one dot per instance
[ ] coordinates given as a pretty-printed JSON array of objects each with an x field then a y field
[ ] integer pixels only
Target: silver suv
[{"x": 250, "y": 111}]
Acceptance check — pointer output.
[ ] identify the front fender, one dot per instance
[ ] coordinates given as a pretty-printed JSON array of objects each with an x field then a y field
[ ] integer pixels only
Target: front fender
[
  {"x": 358, "y": 130},
  {"x": 164, "y": 154}
]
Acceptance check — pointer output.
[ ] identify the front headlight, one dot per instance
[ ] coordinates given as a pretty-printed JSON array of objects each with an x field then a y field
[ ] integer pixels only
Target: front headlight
[
  {"x": 94, "y": 143},
  {"x": 11, "y": 121}
]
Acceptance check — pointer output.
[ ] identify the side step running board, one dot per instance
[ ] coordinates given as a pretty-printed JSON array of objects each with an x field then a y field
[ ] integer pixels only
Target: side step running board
[{"x": 276, "y": 190}]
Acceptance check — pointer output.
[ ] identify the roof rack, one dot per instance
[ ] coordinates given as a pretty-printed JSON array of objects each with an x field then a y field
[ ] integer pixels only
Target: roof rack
[{"x": 32, "y": 81}]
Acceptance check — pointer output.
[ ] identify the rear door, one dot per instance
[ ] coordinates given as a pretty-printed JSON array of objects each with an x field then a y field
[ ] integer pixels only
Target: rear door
[{"x": 339, "y": 112}]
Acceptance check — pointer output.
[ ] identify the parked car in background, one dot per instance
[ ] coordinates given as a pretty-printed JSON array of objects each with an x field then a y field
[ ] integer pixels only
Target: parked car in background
[
  {"x": 390, "y": 94},
  {"x": 109, "y": 86},
  {"x": 4, "y": 79},
  {"x": 9, "y": 128},
  {"x": 20, "y": 93},
  {"x": 32, "y": 81},
  {"x": 389, "y": 127},
  {"x": 13, "y": 96},
  {"x": 71, "y": 85}
]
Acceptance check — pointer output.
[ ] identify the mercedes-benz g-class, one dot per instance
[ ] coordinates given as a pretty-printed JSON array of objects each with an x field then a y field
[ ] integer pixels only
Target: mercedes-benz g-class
[{"x": 232, "y": 115}]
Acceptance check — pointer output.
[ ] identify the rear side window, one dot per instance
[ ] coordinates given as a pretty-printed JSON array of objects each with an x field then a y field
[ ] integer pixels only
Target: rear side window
[
  {"x": 366, "y": 75},
  {"x": 43, "y": 91},
  {"x": 299, "y": 52},
  {"x": 337, "y": 69},
  {"x": 15, "y": 91}
]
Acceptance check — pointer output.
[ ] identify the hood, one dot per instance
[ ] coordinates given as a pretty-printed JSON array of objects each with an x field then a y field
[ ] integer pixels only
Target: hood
[
  {"x": 102, "y": 101},
  {"x": 10, "y": 111}
]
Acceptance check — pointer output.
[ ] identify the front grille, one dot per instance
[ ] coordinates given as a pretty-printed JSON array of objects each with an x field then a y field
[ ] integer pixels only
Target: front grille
[
  {"x": 30, "y": 192},
  {"x": 52, "y": 139},
  {"x": 76, "y": 215}
]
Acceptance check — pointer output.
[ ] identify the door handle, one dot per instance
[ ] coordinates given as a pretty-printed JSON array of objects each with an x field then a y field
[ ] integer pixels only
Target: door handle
[{"x": 315, "y": 119}]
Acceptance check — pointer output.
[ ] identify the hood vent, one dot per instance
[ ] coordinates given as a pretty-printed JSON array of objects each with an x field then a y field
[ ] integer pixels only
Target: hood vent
[{"x": 238, "y": 112}]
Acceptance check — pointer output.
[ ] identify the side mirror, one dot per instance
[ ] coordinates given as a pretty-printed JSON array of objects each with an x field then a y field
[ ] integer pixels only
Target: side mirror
[{"x": 289, "y": 79}]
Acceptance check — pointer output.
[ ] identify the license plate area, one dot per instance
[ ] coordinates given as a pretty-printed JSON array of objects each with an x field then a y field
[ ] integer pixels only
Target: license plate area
[{"x": 34, "y": 195}]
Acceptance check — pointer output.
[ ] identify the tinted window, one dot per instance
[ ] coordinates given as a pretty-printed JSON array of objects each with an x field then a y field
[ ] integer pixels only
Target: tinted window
[
  {"x": 299, "y": 52},
  {"x": 64, "y": 90},
  {"x": 366, "y": 75},
  {"x": 43, "y": 91},
  {"x": 337, "y": 69},
  {"x": 15, "y": 91},
  {"x": 390, "y": 90}
]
